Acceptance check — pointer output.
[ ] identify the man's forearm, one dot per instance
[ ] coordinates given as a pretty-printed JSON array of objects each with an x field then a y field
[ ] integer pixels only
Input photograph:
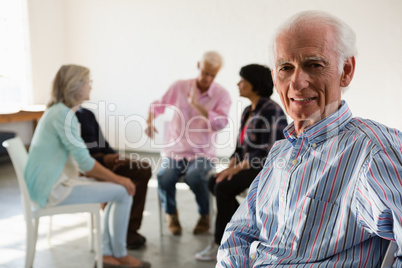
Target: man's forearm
[{"x": 151, "y": 117}]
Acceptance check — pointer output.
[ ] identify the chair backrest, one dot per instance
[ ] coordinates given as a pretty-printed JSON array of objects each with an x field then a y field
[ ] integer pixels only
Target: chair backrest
[
  {"x": 19, "y": 158},
  {"x": 389, "y": 257}
]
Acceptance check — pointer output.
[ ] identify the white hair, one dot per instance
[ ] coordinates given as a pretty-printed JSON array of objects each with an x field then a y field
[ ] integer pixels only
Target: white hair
[
  {"x": 213, "y": 58},
  {"x": 345, "y": 46}
]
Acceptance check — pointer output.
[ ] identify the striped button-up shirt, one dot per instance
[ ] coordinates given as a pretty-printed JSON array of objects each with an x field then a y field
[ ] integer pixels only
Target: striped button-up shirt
[{"x": 325, "y": 198}]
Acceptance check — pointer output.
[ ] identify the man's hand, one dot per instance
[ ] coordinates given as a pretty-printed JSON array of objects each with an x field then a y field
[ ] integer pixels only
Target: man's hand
[
  {"x": 192, "y": 96},
  {"x": 151, "y": 130},
  {"x": 193, "y": 101},
  {"x": 232, "y": 170},
  {"x": 110, "y": 159},
  {"x": 226, "y": 174},
  {"x": 113, "y": 162}
]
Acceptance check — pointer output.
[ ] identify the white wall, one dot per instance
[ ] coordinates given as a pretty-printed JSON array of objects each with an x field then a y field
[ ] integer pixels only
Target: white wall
[
  {"x": 48, "y": 35},
  {"x": 48, "y": 51},
  {"x": 136, "y": 49}
]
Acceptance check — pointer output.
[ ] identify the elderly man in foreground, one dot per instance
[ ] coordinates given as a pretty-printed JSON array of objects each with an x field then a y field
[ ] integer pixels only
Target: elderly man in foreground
[{"x": 330, "y": 194}]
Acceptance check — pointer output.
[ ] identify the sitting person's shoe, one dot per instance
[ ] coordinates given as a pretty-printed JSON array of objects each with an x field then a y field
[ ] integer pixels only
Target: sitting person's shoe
[
  {"x": 202, "y": 225},
  {"x": 136, "y": 241},
  {"x": 208, "y": 254},
  {"x": 174, "y": 224},
  {"x": 131, "y": 262},
  {"x": 124, "y": 262},
  {"x": 143, "y": 264}
]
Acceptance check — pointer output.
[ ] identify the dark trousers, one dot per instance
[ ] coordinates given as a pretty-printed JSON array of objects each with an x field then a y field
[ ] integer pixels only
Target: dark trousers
[
  {"x": 225, "y": 193},
  {"x": 139, "y": 172}
]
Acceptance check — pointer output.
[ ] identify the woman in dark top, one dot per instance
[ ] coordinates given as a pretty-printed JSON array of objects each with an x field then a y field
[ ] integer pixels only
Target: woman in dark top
[
  {"x": 262, "y": 123},
  {"x": 138, "y": 171}
]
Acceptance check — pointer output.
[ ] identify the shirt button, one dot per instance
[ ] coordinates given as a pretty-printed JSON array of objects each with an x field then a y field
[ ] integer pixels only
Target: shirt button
[
  {"x": 314, "y": 145},
  {"x": 253, "y": 257},
  {"x": 282, "y": 198},
  {"x": 294, "y": 162}
]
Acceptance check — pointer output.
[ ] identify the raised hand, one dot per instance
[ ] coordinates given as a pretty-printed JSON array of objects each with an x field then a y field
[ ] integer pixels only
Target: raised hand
[
  {"x": 151, "y": 130},
  {"x": 192, "y": 95}
]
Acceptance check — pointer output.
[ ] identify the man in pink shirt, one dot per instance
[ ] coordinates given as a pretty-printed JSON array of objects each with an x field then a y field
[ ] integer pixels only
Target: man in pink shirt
[{"x": 200, "y": 110}]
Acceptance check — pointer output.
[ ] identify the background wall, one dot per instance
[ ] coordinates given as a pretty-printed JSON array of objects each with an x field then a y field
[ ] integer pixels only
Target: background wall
[{"x": 136, "y": 49}]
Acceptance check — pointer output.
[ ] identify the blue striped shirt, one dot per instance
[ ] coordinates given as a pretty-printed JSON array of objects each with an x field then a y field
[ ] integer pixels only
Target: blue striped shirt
[{"x": 325, "y": 198}]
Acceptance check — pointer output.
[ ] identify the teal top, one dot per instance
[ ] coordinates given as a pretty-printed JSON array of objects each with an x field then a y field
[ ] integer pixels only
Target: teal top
[{"x": 55, "y": 137}]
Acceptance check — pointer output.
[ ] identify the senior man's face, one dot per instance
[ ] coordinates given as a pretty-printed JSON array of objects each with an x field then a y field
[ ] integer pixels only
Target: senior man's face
[
  {"x": 207, "y": 75},
  {"x": 306, "y": 75}
]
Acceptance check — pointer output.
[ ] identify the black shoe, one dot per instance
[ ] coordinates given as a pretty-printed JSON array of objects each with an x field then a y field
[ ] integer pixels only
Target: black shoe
[{"x": 138, "y": 242}]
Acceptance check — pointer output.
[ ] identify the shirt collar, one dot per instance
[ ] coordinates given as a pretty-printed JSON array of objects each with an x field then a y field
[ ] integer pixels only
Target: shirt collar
[
  {"x": 324, "y": 129},
  {"x": 209, "y": 92}
]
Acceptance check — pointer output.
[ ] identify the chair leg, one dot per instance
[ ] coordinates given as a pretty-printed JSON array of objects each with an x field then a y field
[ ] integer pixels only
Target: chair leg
[
  {"x": 91, "y": 229},
  {"x": 211, "y": 212},
  {"x": 99, "y": 252},
  {"x": 31, "y": 238},
  {"x": 160, "y": 214},
  {"x": 29, "y": 245},
  {"x": 36, "y": 227}
]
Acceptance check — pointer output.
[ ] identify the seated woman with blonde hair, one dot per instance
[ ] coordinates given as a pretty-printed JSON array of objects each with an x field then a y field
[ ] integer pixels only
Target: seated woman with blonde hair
[{"x": 58, "y": 153}]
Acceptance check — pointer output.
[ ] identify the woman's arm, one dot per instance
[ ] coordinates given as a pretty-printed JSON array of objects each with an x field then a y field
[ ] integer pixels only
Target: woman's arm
[{"x": 99, "y": 172}]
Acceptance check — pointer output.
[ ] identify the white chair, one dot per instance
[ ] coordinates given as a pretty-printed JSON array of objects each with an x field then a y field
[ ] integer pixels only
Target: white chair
[
  {"x": 240, "y": 197},
  {"x": 32, "y": 212},
  {"x": 389, "y": 255},
  {"x": 211, "y": 204}
]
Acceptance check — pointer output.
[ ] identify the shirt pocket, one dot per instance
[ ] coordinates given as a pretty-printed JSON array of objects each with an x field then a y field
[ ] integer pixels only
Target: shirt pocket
[{"x": 310, "y": 231}]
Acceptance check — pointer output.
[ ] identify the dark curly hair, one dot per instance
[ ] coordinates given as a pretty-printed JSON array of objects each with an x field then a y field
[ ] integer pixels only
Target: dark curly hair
[{"x": 260, "y": 78}]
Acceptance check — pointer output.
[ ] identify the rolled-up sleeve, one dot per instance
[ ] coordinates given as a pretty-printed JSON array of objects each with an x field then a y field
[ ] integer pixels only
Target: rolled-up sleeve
[{"x": 379, "y": 195}]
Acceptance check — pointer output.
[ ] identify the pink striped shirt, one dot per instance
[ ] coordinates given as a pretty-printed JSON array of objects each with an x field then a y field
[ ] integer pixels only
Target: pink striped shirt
[{"x": 188, "y": 134}]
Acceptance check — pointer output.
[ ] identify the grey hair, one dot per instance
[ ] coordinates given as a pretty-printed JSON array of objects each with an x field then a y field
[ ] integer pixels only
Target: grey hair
[
  {"x": 68, "y": 84},
  {"x": 213, "y": 58},
  {"x": 345, "y": 46}
]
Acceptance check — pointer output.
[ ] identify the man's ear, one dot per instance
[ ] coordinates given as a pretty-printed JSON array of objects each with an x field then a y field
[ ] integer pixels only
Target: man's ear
[
  {"x": 198, "y": 65},
  {"x": 348, "y": 72}
]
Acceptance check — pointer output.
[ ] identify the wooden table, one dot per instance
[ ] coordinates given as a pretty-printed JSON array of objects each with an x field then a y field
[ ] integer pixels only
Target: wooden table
[{"x": 21, "y": 116}]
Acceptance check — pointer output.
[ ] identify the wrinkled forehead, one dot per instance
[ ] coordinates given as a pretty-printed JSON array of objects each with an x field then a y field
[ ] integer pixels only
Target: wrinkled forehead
[{"x": 301, "y": 43}]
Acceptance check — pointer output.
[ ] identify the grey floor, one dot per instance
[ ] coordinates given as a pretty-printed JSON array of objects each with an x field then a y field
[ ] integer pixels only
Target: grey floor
[{"x": 69, "y": 241}]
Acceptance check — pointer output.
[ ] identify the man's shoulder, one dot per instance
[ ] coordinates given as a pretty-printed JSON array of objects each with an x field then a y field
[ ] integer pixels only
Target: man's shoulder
[
  {"x": 83, "y": 110},
  {"x": 179, "y": 86},
  {"x": 182, "y": 82},
  {"x": 378, "y": 133},
  {"x": 84, "y": 114}
]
